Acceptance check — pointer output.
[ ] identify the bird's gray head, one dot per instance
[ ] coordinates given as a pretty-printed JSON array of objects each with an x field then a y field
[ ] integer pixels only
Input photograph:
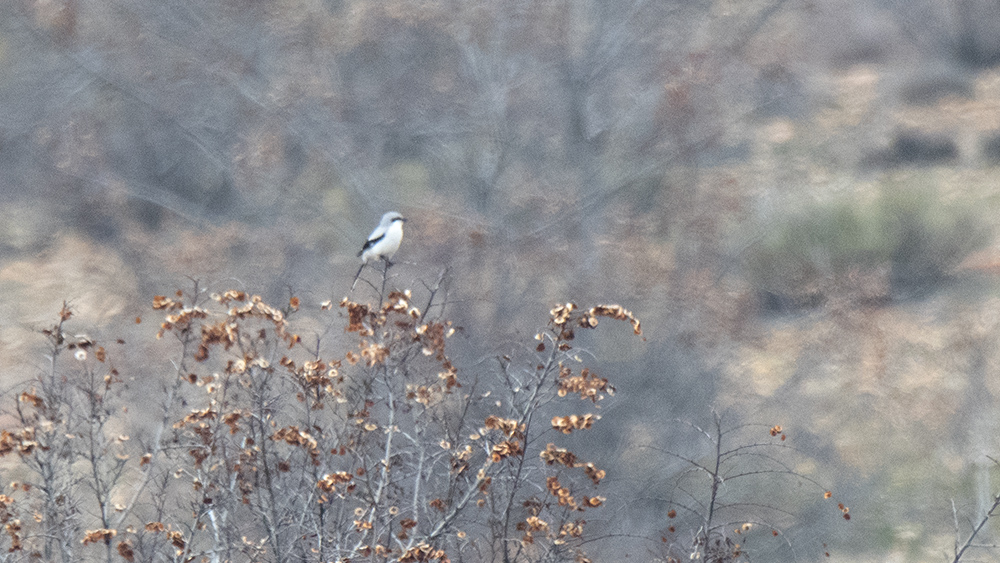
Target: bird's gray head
[{"x": 389, "y": 217}]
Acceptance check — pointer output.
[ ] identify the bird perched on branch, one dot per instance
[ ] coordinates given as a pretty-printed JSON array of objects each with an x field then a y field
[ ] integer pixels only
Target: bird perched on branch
[{"x": 383, "y": 243}]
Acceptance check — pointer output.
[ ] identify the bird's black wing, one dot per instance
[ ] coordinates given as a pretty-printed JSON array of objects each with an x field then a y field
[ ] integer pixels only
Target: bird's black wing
[{"x": 369, "y": 243}]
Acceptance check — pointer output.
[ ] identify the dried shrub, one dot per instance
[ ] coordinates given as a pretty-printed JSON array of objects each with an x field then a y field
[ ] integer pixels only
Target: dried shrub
[{"x": 264, "y": 446}]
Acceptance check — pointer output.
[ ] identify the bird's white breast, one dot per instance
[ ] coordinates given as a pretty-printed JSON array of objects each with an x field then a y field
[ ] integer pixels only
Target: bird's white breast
[{"x": 388, "y": 246}]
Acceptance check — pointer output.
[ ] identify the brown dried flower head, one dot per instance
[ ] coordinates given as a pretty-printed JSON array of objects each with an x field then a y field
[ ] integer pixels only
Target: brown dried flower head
[
  {"x": 509, "y": 427},
  {"x": 588, "y": 385},
  {"x": 330, "y": 481},
  {"x": 566, "y": 424},
  {"x": 99, "y": 535},
  {"x": 552, "y": 455}
]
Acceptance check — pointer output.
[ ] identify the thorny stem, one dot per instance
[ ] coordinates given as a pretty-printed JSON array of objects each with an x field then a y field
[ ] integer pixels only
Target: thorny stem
[
  {"x": 954, "y": 515},
  {"x": 417, "y": 476},
  {"x": 433, "y": 292},
  {"x": 157, "y": 442},
  {"x": 447, "y": 520},
  {"x": 972, "y": 536},
  {"x": 385, "y": 277},
  {"x": 384, "y": 475},
  {"x": 716, "y": 480},
  {"x": 156, "y": 445},
  {"x": 525, "y": 418},
  {"x": 95, "y": 443},
  {"x": 44, "y": 460},
  {"x": 321, "y": 540},
  {"x": 550, "y": 363},
  {"x": 510, "y": 499},
  {"x": 47, "y": 476}
]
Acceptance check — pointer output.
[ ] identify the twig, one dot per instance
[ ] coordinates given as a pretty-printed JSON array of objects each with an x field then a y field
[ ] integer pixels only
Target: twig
[{"x": 972, "y": 536}]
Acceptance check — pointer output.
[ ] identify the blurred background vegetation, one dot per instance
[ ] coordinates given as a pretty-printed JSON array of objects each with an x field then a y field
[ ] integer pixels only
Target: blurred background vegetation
[{"x": 799, "y": 200}]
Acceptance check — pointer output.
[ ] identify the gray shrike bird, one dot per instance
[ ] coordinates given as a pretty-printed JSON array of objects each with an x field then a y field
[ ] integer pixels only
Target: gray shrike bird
[{"x": 383, "y": 242}]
